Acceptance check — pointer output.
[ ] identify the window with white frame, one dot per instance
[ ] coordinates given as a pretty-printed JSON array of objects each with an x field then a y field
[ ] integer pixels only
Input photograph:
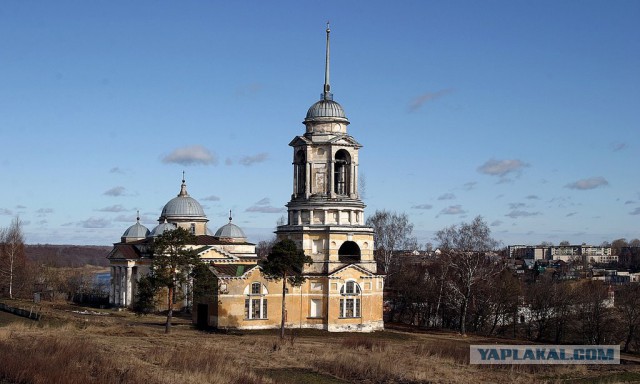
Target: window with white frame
[
  {"x": 255, "y": 303},
  {"x": 315, "y": 308},
  {"x": 350, "y": 300}
]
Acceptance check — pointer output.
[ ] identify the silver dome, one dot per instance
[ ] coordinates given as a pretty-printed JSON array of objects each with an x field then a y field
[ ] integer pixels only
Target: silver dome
[
  {"x": 230, "y": 230},
  {"x": 182, "y": 206},
  {"x": 325, "y": 108},
  {"x": 162, "y": 228},
  {"x": 136, "y": 231}
]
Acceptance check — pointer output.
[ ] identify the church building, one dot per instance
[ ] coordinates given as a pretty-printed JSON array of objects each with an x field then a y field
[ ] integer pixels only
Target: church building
[{"x": 343, "y": 290}]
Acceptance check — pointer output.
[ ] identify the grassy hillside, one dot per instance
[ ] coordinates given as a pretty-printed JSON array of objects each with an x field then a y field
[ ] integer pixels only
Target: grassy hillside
[{"x": 119, "y": 347}]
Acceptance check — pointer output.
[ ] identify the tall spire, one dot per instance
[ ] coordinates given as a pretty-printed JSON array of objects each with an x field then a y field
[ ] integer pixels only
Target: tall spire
[{"x": 327, "y": 87}]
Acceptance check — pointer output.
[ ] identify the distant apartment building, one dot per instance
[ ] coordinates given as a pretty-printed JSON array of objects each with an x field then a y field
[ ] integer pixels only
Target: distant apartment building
[{"x": 567, "y": 253}]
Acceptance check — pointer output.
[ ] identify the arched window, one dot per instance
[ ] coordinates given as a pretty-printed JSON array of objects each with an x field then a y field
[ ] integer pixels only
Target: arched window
[
  {"x": 255, "y": 303},
  {"x": 349, "y": 252},
  {"x": 350, "y": 300},
  {"x": 301, "y": 172},
  {"x": 342, "y": 173}
]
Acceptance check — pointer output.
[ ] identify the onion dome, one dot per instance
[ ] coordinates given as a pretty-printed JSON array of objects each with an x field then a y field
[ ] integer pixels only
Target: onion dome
[
  {"x": 183, "y": 206},
  {"x": 162, "y": 228},
  {"x": 231, "y": 232},
  {"x": 135, "y": 232}
]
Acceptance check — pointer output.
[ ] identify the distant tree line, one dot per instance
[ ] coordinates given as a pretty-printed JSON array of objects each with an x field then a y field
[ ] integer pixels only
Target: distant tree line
[{"x": 21, "y": 278}]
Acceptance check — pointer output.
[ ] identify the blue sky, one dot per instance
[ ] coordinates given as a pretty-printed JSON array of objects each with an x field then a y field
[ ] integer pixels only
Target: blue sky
[{"x": 524, "y": 112}]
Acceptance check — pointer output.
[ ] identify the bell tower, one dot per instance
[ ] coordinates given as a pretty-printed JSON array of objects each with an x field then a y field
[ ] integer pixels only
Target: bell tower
[{"x": 325, "y": 213}]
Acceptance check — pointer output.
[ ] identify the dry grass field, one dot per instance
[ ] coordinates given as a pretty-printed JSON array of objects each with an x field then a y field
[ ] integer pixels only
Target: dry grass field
[{"x": 66, "y": 347}]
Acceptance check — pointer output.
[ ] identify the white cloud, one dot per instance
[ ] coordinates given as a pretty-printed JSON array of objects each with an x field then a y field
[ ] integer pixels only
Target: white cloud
[
  {"x": 250, "y": 160},
  {"x": 191, "y": 155},
  {"x": 453, "y": 210},
  {"x": 113, "y": 208},
  {"x": 115, "y": 191},
  {"x": 419, "y": 101},
  {"x": 502, "y": 168},
  {"x": 516, "y": 213},
  {"x": 447, "y": 196},
  {"x": 264, "y": 206},
  {"x": 93, "y": 222},
  {"x": 586, "y": 184}
]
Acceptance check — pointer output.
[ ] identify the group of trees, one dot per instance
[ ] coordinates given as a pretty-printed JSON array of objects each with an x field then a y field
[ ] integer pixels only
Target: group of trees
[{"x": 467, "y": 286}]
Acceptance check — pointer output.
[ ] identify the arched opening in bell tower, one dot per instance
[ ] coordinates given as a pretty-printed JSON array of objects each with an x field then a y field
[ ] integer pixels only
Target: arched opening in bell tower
[
  {"x": 342, "y": 173},
  {"x": 301, "y": 172},
  {"x": 349, "y": 252}
]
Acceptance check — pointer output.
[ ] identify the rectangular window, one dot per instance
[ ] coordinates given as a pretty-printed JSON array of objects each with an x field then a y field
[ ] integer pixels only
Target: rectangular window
[
  {"x": 255, "y": 309},
  {"x": 342, "y": 307},
  {"x": 349, "y": 309},
  {"x": 246, "y": 309},
  {"x": 264, "y": 309},
  {"x": 357, "y": 308},
  {"x": 316, "y": 286},
  {"x": 315, "y": 308},
  {"x": 255, "y": 288}
]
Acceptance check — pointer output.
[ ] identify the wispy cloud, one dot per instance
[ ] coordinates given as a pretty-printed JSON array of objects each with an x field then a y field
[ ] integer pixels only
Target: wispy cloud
[
  {"x": 532, "y": 197},
  {"x": 470, "y": 185},
  {"x": 93, "y": 222},
  {"x": 264, "y": 206},
  {"x": 422, "y": 206},
  {"x": 571, "y": 214},
  {"x": 586, "y": 184},
  {"x": 249, "y": 89},
  {"x": 116, "y": 170},
  {"x": 502, "y": 168},
  {"x": 629, "y": 202},
  {"x": 453, "y": 210},
  {"x": 635, "y": 211},
  {"x": 496, "y": 223},
  {"x": 19, "y": 206},
  {"x": 228, "y": 161},
  {"x": 191, "y": 155},
  {"x": 42, "y": 212},
  {"x": 211, "y": 198},
  {"x": 447, "y": 196},
  {"x": 419, "y": 101},
  {"x": 115, "y": 191},
  {"x": 516, "y": 213},
  {"x": 516, "y": 205},
  {"x": 5, "y": 211},
  {"x": 113, "y": 208},
  {"x": 619, "y": 146},
  {"x": 250, "y": 160}
]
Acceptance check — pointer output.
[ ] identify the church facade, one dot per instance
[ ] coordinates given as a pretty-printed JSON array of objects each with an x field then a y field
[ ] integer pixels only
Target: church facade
[{"x": 343, "y": 290}]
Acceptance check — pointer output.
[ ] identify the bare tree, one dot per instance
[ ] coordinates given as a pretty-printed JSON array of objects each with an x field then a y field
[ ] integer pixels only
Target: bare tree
[
  {"x": 628, "y": 307},
  {"x": 392, "y": 232},
  {"x": 466, "y": 247},
  {"x": 12, "y": 255}
]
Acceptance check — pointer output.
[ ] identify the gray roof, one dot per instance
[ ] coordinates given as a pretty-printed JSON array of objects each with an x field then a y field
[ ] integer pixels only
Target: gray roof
[
  {"x": 182, "y": 206},
  {"x": 136, "y": 231},
  {"x": 161, "y": 228},
  {"x": 230, "y": 230},
  {"x": 325, "y": 108}
]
